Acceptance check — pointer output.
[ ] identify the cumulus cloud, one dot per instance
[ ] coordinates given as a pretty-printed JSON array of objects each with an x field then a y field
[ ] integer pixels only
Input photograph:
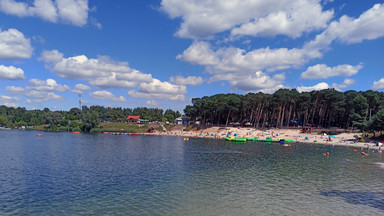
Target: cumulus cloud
[
  {"x": 14, "y": 90},
  {"x": 15, "y": 105},
  {"x": 159, "y": 90},
  {"x": 46, "y": 85},
  {"x": 378, "y": 85},
  {"x": 191, "y": 80},
  {"x": 322, "y": 71},
  {"x": 101, "y": 72},
  {"x": 203, "y": 18},
  {"x": 233, "y": 59},
  {"x": 43, "y": 96},
  {"x": 258, "y": 81},
  {"x": 152, "y": 103},
  {"x": 345, "y": 84},
  {"x": 11, "y": 73},
  {"x": 368, "y": 26},
  {"x": 80, "y": 88},
  {"x": 317, "y": 87},
  {"x": 74, "y": 12},
  {"x": 303, "y": 16},
  {"x": 106, "y": 95},
  {"x": 231, "y": 62},
  {"x": 9, "y": 101},
  {"x": 242, "y": 69},
  {"x": 13, "y": 45},
  {"x": 40, "y": 90}
]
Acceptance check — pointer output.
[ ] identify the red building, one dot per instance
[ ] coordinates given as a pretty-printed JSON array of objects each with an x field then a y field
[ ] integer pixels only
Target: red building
[{"x": 133, "y": 119}]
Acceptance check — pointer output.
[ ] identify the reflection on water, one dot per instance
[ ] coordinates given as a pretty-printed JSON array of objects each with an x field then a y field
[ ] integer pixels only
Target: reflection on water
[
  {"x": 372, "y": 199},
  {"x": 67, "y": 174}
]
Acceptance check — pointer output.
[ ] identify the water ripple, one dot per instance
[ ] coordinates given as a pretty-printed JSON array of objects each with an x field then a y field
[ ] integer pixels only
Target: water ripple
[{"x": 63, "y": 174}]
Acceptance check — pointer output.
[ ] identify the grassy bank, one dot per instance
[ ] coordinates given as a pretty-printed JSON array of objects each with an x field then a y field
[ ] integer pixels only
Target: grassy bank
[{"x": 122, "y": 127}]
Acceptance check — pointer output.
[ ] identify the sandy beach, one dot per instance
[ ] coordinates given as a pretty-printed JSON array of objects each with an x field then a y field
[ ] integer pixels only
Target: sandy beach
[{"x": 343, "y": 139}]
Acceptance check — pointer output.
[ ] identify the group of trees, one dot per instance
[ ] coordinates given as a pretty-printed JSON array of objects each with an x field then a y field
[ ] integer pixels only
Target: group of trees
[
  {"x": 287, "y": 107},
  {"x": 76, "y": 119}
]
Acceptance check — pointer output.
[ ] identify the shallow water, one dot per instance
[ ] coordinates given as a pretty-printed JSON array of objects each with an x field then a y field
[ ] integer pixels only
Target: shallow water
[{"x": 83, "y": 174}]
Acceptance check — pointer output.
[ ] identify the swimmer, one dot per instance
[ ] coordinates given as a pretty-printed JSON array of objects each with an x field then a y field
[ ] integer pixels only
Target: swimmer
[
  {"x": 326, "y": 154},
  {"x": 364, "y": 154}
]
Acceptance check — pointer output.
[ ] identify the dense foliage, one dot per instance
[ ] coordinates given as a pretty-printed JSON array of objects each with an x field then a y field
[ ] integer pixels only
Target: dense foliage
[
  {"x": 76, "y": 119},
  {"x": 325, "y": 108}
]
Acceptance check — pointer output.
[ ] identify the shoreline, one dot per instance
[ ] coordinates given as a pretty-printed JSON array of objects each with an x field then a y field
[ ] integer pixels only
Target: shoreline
[{"x": 343, "y": 139}]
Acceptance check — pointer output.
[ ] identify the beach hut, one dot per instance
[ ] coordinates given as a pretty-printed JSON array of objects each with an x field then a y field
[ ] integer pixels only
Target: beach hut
[
  {"x": 133, "y": 119},
  {"x": 183, "y": 120}
]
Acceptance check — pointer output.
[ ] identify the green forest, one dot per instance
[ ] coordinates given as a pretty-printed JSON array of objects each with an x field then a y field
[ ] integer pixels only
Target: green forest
[
  {"x": 287, "y": 107},
  {"x": 75, "y": 119}
]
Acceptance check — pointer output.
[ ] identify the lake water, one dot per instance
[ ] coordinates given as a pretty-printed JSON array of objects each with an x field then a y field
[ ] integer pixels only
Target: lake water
[{"x": 85, "y": 174}]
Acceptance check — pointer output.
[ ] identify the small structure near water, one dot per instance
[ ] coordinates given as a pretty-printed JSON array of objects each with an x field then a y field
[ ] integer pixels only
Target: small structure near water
[
  {"x": 183, "y": 120},
  {"x": 133, "y": 119}
]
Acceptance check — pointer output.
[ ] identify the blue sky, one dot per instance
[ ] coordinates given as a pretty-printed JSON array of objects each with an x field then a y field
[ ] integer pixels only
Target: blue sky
[{"x": 131, "y": 53}]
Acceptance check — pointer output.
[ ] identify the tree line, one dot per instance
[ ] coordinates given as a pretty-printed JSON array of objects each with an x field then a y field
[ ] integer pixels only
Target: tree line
[
  {"x": 287, "y": 107},
  {"x": 327, "y": 108},
  {"x": 79, "y": 119}
]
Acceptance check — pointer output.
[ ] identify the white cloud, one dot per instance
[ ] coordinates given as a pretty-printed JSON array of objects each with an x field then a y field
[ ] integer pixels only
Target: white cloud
[
  {"x": 238, "y": 60},
  {"x": 101, "y": 72},
  {"x": 74, "y": 12},
  {"x": 15, "y": 105},
  {"x": 45, "y": 96},
  {"x": 13, "y": 45},
  {"x": 11, "y": 73},
  {"x": 105, "y": 73},
  {"x": 159, "y": 90},
  {"x": 231, "y": 63},
  {"x": 44, "y": 9},
  {"x": 14, "y": 90},
  {"x": 113, "y": 81},
  {"x": 80, "y": 88},
  {"x": 243, "y": 69},
  {"x": 8, "y": 99},
  {"x": 106, "y": 95},
  {"x": 41, "y": 89},
  {"x": 46, "y": 85},
  {"x": 378, "y": 85},
  {"x": 152, "y": 103},
  {"x": 303, "y": 16},
  {"x": 191, "y": 80},
  {"x": 258, "y": 81},
  {"x": 14, "y": 7},
  {"x": 345, "y": 84},
  {"x": 203, "y": 18},
  {"x": 322, "y": 71},
  {"x": 368, "y": 26},
  {"x": 317, "y": 87}
]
